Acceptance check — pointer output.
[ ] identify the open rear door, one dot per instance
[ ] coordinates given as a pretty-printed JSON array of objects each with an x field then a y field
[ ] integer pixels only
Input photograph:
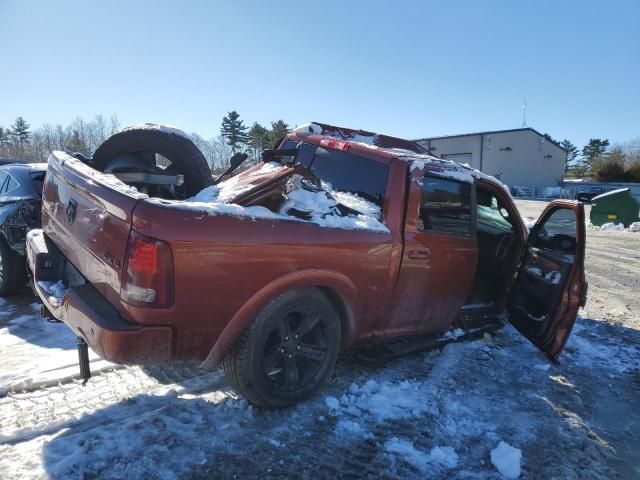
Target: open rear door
[{"x": 550, "y": 286}]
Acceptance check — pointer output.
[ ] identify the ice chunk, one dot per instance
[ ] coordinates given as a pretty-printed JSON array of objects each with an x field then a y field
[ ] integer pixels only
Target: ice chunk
[
  {"x": 439, "y": 456},
  {"x": 332, "y": 402},
  {"x": 507, "y": 460},
  {"x": 55, "y": 291}
]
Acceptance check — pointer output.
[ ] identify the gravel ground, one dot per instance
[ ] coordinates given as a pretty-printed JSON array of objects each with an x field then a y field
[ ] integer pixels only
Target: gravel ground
[{"x": 435, "y": 414}]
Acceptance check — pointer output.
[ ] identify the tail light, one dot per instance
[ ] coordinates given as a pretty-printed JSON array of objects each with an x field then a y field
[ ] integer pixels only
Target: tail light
[
  {"x": 149, "y": 272},
  {"x": 337, "y": 144}
]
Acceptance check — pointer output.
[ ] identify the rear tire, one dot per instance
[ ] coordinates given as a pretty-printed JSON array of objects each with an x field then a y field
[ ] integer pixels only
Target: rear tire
[
  {"x": 12, "y": 270},
  {"x": 186, "y": 158},
  {"x": 288, "y": 352}
]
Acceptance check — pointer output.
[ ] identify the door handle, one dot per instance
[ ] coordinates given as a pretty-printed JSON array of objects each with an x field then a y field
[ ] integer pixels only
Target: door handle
[{"x": 420, "y": 254}]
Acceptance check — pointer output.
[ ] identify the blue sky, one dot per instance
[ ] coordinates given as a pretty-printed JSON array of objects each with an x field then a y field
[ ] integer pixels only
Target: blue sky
[{"x": 411, "y": 69}]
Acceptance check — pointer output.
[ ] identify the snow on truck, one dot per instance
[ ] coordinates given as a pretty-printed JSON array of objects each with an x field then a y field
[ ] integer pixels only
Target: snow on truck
[{"x": 338, "y": 238}]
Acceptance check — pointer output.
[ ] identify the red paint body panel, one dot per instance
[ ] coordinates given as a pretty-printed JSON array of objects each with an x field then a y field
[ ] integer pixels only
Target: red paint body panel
[{"x": 436, "y": 274}]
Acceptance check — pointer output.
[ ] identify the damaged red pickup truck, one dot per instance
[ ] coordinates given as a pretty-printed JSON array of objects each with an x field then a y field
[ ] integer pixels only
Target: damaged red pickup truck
[{"x": 339, "y": 238}]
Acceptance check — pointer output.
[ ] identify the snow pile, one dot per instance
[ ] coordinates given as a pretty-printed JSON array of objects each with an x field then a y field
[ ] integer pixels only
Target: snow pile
[
  {"x": 356, "y": 202},
  {"x": 308, "y": 128},
  {"x": 55, "y": 291},
  {"x": 507, "y": 460},
  {"x": 445, "y": 457},
  {"x": 323, "y": 211},
  {"x": 320, "y": 206},
  {"x": 612, "y": 227},
  {"x": 351, "y": 428},
  {"x": 226, "y": 191},
  {"x": 453, "y": 334},
  {"x": 617, "y": 227},
  {"x": 384, "y": 401}
]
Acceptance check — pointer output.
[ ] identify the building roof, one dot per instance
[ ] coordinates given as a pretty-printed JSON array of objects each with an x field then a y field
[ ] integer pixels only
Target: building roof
[{"x": 491, "y": 132}]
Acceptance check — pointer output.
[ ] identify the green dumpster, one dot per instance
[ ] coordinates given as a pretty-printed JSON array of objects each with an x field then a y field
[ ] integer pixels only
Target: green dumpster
[{"x": 617, "y": 206}]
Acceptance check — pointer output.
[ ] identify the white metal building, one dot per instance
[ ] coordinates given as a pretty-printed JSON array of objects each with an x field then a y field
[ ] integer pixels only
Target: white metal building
[{"x": 517, "y": 157}]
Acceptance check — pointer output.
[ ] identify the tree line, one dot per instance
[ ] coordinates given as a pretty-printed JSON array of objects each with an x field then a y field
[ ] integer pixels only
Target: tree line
[
  {"x": 19, "y": 141},
  {"x": 620, "y": 163}
]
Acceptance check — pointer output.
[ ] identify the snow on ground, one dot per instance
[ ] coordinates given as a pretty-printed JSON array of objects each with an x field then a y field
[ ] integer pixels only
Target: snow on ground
[
  {"x": 444, "y": 457},
  {"x": 436, "y": 414},
  {"x": 35, "y": 352}
]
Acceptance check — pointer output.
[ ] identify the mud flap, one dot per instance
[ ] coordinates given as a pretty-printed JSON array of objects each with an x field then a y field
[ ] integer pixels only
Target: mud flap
[{"x": 83, "y": 360}]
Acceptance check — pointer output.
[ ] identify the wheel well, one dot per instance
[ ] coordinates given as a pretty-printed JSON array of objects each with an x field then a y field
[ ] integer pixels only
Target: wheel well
[{"x": 337, "y": 301}]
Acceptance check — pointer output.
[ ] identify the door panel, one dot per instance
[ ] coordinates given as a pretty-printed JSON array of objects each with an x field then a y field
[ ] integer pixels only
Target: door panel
[
  {"x": 437, "y": 267},
  {"x": 547, "y": 292}
]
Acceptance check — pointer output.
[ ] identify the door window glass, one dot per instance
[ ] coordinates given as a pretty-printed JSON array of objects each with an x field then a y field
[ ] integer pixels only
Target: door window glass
[
  {"x": 445, "y": 206},
  {"x": 557, "y": 232}
]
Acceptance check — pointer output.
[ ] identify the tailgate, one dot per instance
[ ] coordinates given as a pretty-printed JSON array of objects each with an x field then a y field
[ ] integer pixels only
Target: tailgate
[{"x": 88, "y": 216}]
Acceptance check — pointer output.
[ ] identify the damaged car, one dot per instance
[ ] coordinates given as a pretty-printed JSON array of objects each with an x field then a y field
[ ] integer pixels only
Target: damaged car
[
  {"x": 20, "y": 191},
  {"x": 338, "y": 239}
]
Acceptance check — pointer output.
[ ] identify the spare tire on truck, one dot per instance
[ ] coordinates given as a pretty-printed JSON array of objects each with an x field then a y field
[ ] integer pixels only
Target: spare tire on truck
[{"x": 143, "y": 143}]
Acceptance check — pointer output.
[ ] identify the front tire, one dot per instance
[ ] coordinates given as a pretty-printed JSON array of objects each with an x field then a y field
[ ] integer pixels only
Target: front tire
[
  {"x": 288, "y": 352},
  {"x": 12, "y": 270}
]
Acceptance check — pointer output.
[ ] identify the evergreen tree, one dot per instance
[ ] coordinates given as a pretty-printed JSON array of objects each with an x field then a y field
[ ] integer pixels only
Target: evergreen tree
[
  {"x": 572, "y": 153},
  {"x": 4, "y": 137},
  {"x": 234, "y": 131},
  {"x": 594, "y": 150},
  {"x": 278, "y": 130},
  {"x": 19, "y": 132},
  {"x": 549, "y": 138},
  {"x": 258, "y": 139}
]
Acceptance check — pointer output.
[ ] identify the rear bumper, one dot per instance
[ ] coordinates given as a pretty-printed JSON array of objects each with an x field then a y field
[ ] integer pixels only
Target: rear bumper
[{"x": 86, "y": 311}]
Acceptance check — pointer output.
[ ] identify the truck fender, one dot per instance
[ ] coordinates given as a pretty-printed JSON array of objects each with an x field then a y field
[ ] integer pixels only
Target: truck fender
[{"x": 339, "y": 283}]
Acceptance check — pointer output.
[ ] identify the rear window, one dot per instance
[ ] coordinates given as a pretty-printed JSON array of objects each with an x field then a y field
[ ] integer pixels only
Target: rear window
[
  {"x": 445, "y": 206},
  {"x": 351, "y": 173}
]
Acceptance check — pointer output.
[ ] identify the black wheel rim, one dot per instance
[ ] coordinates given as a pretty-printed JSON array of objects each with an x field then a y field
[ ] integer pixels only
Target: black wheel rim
[{"x": 295, "y": 351}]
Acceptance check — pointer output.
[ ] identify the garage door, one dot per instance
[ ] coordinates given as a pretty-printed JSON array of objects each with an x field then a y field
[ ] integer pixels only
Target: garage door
[{"x": 458, "y": 157}]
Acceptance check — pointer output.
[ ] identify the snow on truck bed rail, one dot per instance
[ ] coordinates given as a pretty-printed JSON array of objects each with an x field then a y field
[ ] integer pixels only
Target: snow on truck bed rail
[
  {"x": 214, "y": 200},
  {"x": 105, "y": 179}
]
